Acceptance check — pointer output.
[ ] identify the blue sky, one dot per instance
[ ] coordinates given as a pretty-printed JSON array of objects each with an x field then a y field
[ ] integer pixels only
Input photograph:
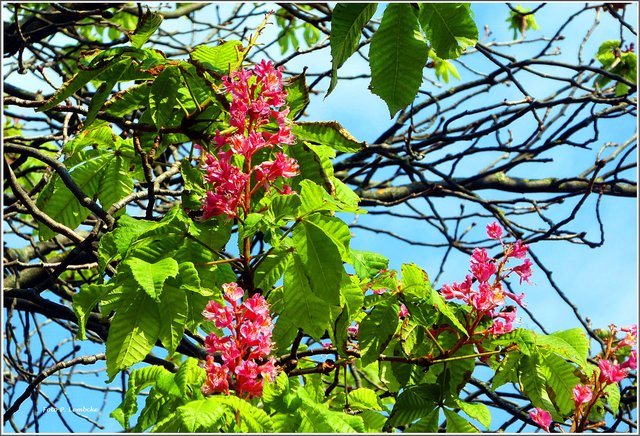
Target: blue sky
[{"x": 602, "y": 282}]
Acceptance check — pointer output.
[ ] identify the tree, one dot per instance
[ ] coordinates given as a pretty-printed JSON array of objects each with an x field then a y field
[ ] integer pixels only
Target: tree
[{"x": 174, "y": 211}]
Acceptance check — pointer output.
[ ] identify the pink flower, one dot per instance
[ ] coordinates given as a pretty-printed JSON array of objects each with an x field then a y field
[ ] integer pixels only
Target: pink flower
[
  {"x": 461, "y": 291},
  {"x": 494, "y": 231},
  {"x": 485, "y": 299},
  {"x": 282, "y": 166},
  {"x": 403, "y": 312},
  {"x": 631, "y": 338},
  {"x": 519, "y": 250},
  {"x": 582, "y": 394},
  {"x": 541, "y": 417},
  {"x": 610, "y": 373},
  {"x": 232, "y": 292},
  {"x": 632, "y": 362},
  {"x": 380, "y": 291},
  {"x": 524, "y": 271},
  {"x": 326, "y": 344},
  {"x": 353, "y": 329},
  {"x": 483, "y": 271},
  {"x": 499, "y": 328},
  {"x": 244, "y": 349}
]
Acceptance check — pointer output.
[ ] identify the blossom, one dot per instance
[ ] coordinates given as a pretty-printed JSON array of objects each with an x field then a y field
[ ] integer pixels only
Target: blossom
[
  {"x": 244, "y": 350},
  {"x": 541, "y": 417},
  {"x": 519, "y": 250},
  {"x": 631, "y": 362},
  {"x": 494, "y": 231},
  {"x": 353, "y": 329},
  {"x": 254, "y": 105},
  {"x": 499, "y": 328},
  {"x": 611, "y": 373},
  {"x": 523, "y": 270},
  {"x": 631, "y": 338},
  {"x": 403, "y": 312},
  {"x": 582, "y": 394}
]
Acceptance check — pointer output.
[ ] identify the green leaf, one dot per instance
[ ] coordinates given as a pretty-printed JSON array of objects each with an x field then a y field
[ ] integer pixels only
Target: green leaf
[
  {"x": 428, "y": 424},
  {"x": 321, "y": 259},
  {"x": 138, "y": 380},
  {"x": 534, "y": 384},
  {"x": 104, "y": 91},
  {"x": 449, "y": 27},
  {"x": 151, "y": 276},
  {"x": 442, "y": 306},
  {"x": 520, "y": 21},
  {"x": 202, "y": 415},
  {"x": 128, "y": 100},
  {"x": 347, "y": 22},
  {"x": 397, "y": 54},
  {"x": 457, "y": 424},
  {"x": 415, "y": 281},
  {"x": 148, "y": 24},
  {"x": 223, "y": 58},
  {"x": 69, "y": 87},
  {"x": 377, "y": 330},
  {"x": 373, "y": 421},
  {"x": 523, "y": 338},
  {"x": 477, "y": 411},
  {"x": 329, "y": 133},
  {"x": 571, "y": 344},
  {"x": 83, "y": 303},
  {"x": 114, "y": 245},
  {"x": 507, "y": 372},
  {"x": 252, "y": 419},
  {"x": 336, "y": 230},
  {"x": 413, "y": 403},
  {"x": 115, "y": 182},
  {"x": 561, "y": 380},
  {"x": 297, "y": 94},
  {"x": 189, "y": 374},
  {"x": 364, "y": 399},
  {"x": 302, "y": 308},
  {"x": 173, "y": 307},
  {"x": 133, "y": 333},
  {"x": 612, "y": 392},
  {"x": 367, "y": 263},
  {"x": 163, "y": 96},
  {"x": 271, "y": 267},
  {"x": 318, "y": 419},
  {"x": 57, "y": 201}
]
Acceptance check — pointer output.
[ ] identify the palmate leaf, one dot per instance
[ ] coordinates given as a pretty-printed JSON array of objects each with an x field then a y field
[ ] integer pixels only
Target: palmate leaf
[
  {"x": 133, "y": 333},
  {"x": 571, "y": 344},
  {"x": 103, "y": 92},
  {"x": 318, "y": 419},
  {"x": 347, "y": 22},
  {"x": 450, "y": 28},
  {"x": 415, "y": 281},
  {"x": 114, "y": 245},
  {"x": 189, "y": 374},
  {"x": 398, "y": 54},
  {"x": 314, "y": 162},
  {"x": 336, "y": 230},
  {"x": 534, "y": 384}
]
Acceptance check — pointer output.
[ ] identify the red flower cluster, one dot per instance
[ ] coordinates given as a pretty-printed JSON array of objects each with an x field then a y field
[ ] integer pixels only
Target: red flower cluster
[
  {"x": 489, "y": 272},
  {"x": 244, "y": 349},
  {"x": 256, "y": 100}
]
